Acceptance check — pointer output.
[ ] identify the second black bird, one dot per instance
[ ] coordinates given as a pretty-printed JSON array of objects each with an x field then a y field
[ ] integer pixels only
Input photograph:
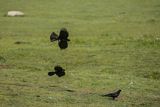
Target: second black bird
[
  {"x": 59, "y": 71},
  {"x": 113, "y": 95}
]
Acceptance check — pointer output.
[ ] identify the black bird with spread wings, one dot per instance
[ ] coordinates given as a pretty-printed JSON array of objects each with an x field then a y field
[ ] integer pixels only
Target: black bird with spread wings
[
  {"x": 62, "y": 38},
  {"x": 113, "y": 95},
  {"x": 59, "y": 71}
]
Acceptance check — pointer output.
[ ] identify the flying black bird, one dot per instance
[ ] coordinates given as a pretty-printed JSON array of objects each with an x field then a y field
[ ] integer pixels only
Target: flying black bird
[
  {"x": 59, "y": 71},
  {"x": 113, "y": 95},
  {"x": 62, "y": 38}
]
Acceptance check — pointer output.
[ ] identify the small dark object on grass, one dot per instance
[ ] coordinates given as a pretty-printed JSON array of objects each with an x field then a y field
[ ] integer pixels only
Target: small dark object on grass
[
  {"x": 113, "y": 95},
  {"x": 37, "y": 95},
  {"x": 70, "y": 90},
  {"x": 21, "y": 42},
  {"x": 59, "y": 71},
  {"x": 62, "y": 38}
]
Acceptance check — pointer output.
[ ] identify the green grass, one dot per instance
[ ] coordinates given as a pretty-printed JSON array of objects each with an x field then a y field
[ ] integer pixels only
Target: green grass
[{"x": 114, "y": 45}]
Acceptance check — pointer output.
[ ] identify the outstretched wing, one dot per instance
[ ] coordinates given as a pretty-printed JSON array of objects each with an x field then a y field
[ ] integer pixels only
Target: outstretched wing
[
  {"x": 63, "y": 35},
  {"x": 51, "y": 73},
  {"x": 63, "y": 44},
  {"x": 53, "y": 37}
]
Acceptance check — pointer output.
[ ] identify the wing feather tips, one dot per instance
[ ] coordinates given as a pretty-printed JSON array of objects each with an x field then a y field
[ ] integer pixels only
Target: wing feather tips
[{"x": 53, "y": 37}]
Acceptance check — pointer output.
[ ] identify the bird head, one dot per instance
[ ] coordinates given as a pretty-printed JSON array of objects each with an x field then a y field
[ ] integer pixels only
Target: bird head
[{"x": 119, "y": 91}]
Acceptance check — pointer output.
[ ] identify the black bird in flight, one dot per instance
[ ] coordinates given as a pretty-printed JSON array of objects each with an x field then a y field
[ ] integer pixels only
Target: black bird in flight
[
  {"x": 62, "y": 38},
  {"x": 59, "y": 71},
  {"x": 113, "y": 95}
]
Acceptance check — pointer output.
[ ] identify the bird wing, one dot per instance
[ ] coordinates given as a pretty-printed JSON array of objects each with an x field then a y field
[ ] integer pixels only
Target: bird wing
[
  {"x": 63, "y": 44},
  {"x": 63, "y": 35},
  {"x": 51, "y": 73},
  {"x": 114, "y": 94},
  {"x": 53, "y": 37},
  {"x": 58, "y": 68},
  {"x": 60, "y": 73},
  {"x": 109, "y": 95}
]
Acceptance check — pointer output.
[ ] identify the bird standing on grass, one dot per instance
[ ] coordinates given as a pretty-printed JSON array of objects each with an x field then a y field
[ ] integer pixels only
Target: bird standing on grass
[
  {"x": 113, "y": 95},
  {"x": 62, "y": 38},
  {"x": 59, "y": 71}
]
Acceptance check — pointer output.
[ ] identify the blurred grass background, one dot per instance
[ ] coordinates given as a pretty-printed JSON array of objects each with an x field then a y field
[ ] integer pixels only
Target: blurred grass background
[{"x": 114, "y": 45}]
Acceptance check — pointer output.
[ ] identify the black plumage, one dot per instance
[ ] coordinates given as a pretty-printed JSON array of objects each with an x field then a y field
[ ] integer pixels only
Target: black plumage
[
  {"x": 59, "y": 71},
  {"x": 53, "y": 37},
  {"x": 113, "y": 95},
  {"x": 63, "y": 35},
  {"x": 62, "y": 38},
  {"x": 51, "y": 73},
  {"x": 63, "y": 44}
]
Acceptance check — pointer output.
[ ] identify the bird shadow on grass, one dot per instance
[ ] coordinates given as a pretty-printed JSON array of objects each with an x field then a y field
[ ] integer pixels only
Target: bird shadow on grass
[
  {"x": 21, "y": 42},
  {"x": 62, "y": 88}
]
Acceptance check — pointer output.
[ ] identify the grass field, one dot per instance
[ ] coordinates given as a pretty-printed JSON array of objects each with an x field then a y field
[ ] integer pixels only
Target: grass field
[{"x": 115, "y": 44}]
